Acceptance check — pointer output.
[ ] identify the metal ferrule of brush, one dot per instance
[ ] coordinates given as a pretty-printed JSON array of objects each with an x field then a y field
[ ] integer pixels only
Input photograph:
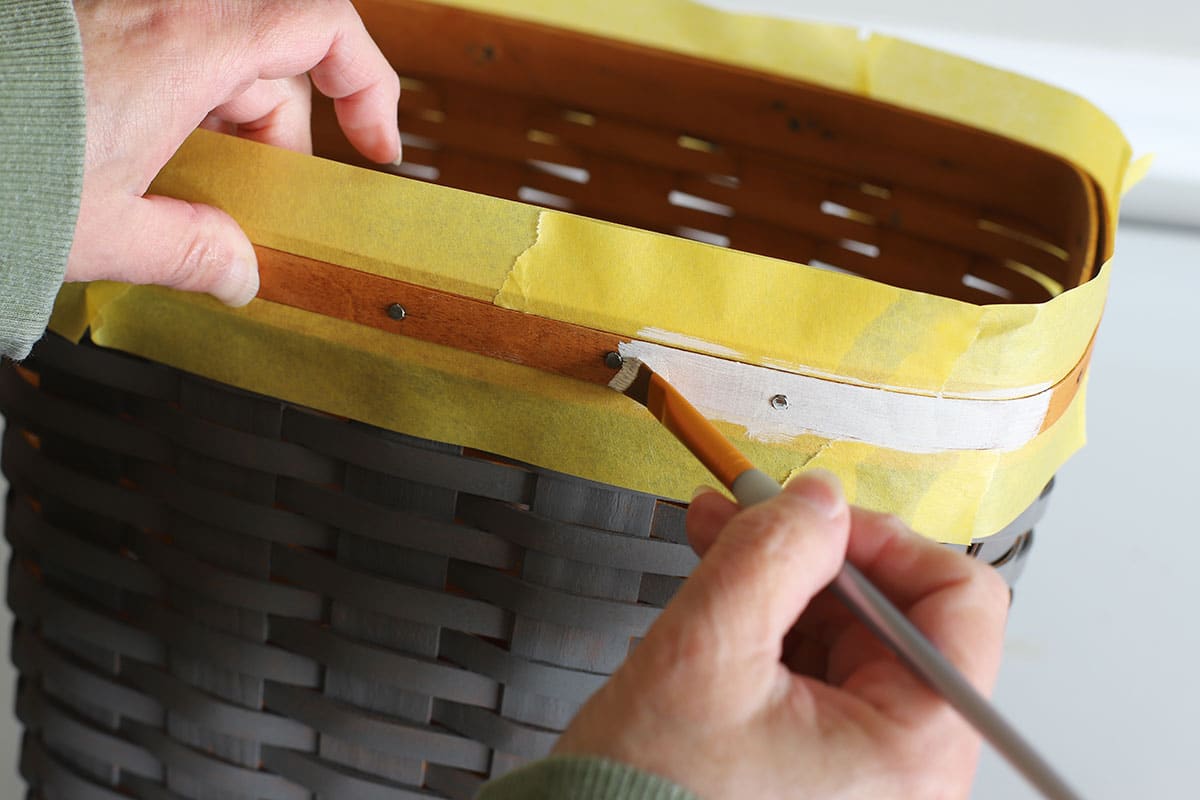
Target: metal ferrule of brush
[{"x": 753, "y": 487}]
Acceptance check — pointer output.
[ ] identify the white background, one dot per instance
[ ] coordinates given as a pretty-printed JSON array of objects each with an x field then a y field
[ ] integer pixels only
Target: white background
[{"x": 1103, "y": 639}]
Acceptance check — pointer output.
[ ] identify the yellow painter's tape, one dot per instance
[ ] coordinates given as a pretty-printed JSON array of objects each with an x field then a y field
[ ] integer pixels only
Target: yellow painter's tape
[
  {"x": 453, "y": 396},
  {"x": 627, "y": 281}
]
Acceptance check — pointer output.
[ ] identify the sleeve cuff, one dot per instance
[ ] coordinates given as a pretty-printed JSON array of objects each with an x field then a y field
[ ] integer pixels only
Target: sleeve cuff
[
  {"x": 581, "y": 778},
  {"x": 42, "y": 138}
]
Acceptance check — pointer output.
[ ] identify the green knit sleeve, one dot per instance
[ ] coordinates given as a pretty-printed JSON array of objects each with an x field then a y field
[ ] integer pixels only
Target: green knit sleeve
[
  {"x": 581, "y": 778},
  {"x": 42, "y": 135}
]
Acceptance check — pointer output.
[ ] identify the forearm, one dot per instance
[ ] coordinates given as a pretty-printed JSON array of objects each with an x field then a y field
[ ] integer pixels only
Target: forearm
[{"x": 42, "y": 136}]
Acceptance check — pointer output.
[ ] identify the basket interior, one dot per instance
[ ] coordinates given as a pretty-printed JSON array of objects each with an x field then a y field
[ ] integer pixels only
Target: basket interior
[{"x": 724, "y": 155}]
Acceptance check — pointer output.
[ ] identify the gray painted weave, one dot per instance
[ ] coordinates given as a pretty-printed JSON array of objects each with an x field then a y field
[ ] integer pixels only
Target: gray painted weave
[{"x": 222, "y": 596}]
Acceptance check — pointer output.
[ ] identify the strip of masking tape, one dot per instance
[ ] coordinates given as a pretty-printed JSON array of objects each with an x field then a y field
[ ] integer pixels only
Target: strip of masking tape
[
  {"x": 560, "y": 424},
  {"x": 317, "y": 362},
  {"x": 1137, "y": 171},
  {"x": 457, "y": 397},
  {"x": 778, "y": 314},
  {"x": 438, "y": 237},
  {"x": 929, "y": 492},
  {"x": 626, "y": 281},
  {"x": 775, "y": 406},
  {"x": 723, "y": 389}
]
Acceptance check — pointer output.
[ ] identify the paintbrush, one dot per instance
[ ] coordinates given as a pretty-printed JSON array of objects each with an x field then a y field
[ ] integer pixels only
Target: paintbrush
[{"x": 750, "y": 485}]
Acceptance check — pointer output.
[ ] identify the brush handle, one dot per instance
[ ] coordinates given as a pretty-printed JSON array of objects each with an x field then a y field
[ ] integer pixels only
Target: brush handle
[{"x": 918, "y": 653}]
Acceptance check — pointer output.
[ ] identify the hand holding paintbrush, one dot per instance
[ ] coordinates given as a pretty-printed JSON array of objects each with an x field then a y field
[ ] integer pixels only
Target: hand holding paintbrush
[
  {"x": 755, "y": 683},
  {"x": 860, "y": 595}
]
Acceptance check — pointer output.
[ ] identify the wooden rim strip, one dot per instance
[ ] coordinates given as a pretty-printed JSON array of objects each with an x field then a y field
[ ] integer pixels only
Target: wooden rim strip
[
  {"x": 435, "y": 316},
  {"x": 480, "y": 327},
  {"x": 1063, "y": 392}
]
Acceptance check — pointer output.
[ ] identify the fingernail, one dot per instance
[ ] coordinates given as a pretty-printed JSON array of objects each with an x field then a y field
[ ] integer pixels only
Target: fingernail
[
  {"x": 822, "y": 489},
  {"x": 399, "y": 151},
  {"x": 242, "y": 286},
  {"x": 702, "y": 489}
]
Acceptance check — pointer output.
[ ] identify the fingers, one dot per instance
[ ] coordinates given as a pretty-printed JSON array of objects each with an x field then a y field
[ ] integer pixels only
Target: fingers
[
  {"x": 272, "y": 112},
  {"x": 709, "y": 512},
  {"x": 169, "y": 242},
  {"x": 958, "y": 603},
  {"x": 365, "y": 102},
  {"x": 761, "y": 571},
  {"x": 328, "y": 41}
]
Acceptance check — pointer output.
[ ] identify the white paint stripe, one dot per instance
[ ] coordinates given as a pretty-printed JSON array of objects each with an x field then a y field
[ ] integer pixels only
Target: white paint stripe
[
  {"x": 697, "y": 345},
  {"x": 1006, "y": 393},
  {"x": 742, "y": 394}
]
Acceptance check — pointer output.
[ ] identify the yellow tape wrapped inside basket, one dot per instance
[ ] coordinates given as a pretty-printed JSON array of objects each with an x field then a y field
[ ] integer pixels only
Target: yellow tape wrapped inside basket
[{"x": 854, "y": 254}]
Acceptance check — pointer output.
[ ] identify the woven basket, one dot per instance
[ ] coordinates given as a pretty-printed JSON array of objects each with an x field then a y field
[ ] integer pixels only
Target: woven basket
[{"x": 222, "y": 595}]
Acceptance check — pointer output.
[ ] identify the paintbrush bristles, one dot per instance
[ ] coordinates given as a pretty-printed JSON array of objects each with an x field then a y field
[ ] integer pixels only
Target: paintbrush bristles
[
  {"x": 633, "y": 380},
  {"x": 639, "y": 389}
]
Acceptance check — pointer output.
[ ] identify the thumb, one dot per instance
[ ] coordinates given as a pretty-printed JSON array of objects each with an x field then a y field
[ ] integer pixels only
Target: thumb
[
  {"x": 188, "y": 246},
  {"x": 762, "y": 571}
]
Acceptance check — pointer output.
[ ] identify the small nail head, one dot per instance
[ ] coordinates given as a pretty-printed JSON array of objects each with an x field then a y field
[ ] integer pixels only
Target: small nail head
[
  {"x": 396, "y": 311},
  {"x": 614, "y": 360},
  {"x": 779, "y": 402}
]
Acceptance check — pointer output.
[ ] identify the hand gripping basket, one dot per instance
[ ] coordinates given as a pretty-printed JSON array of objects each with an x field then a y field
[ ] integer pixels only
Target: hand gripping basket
[{"x": 338, "y": 545}]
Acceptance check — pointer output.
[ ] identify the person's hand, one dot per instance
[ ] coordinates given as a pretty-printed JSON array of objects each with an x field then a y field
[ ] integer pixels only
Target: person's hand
[
  {"x": 155, "y": 71},
  {"x": 732, "y": 697}
]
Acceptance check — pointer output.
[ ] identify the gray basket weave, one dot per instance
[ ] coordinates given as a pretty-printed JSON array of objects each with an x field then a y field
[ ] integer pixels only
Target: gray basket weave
[{"x": 223, "y": 596}]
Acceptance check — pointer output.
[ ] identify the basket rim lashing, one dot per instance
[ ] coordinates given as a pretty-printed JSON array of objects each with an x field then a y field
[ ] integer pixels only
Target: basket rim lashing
[{"x": 647, "y": 289}]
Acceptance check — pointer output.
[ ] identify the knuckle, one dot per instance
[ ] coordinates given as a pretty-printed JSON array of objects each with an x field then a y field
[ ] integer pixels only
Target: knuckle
[
  {"x": 778, "y": 529},
  {"x": 202, "y": 260},
  {"x": 898, "y": 534},
  {"x": 983, "y": 577},
  {"x": 766, "y": 517}
]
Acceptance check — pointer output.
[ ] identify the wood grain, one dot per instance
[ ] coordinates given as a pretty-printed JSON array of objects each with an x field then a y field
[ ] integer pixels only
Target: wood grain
[{"x": 435, "y": 316}]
